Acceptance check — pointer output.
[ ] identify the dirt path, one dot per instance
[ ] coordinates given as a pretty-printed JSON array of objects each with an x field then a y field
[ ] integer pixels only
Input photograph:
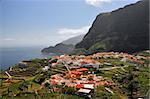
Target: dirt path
[{"x": 110, "y": 68}]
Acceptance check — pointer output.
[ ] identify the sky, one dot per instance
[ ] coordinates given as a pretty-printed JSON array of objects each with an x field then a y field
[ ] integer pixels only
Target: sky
[{"x": 48, "y": 22}]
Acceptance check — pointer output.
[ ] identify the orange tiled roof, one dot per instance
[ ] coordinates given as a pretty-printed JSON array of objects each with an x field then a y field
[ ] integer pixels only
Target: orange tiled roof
[
  {"x": 82, "y": 69},
  {"x": 76, "y": 72},
  {"x": 79, "y": 86}
]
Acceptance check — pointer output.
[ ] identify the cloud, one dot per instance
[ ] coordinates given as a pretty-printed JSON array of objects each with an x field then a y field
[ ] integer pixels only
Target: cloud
[
  {"x": 66, "y": 33},
  {"x": 97, "y": 3},
  {"x": 8, "y": 39},
  {"x": 73, "y": 31},
  {"x": 47, "y": 39}
]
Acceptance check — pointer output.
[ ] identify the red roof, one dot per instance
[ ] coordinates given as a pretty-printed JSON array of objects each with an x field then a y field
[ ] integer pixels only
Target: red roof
[
  {"x": 90, "y": 82},
  {"x": 83, "y": 62},
  {"x": 82, "y": 69},
  {"x": 79, "y": 86},
  {"x": 76, "y": 72},
  {"x": 53, "y": 82}
]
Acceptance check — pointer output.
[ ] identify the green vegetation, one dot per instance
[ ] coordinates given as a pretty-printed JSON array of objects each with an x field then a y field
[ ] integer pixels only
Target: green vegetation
[
  {"x": 131, "y": 79},
  {"x": 144, "y": 53},
  {"x": 44, "y": 96},
  {"x": 102, "y": 93},
  {"x": 39, "y": 78},
  {"x": 69, "y": 90},
  {"x": 80, "y": 51},
  {"x": 93, "y": 49},
  {"x": 97, "y": 47}
]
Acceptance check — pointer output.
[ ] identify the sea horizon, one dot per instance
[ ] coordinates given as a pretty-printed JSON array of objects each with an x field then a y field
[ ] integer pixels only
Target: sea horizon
[{"x": 10, "y": 56}]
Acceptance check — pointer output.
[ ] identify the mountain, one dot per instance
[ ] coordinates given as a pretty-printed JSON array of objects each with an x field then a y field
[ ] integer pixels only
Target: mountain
[
  {"x": 64, "y": 47},
  {"x": 73, "y": 40},
  {"x": 59, "y": 48},
  {"x": 124, "y": 30}
]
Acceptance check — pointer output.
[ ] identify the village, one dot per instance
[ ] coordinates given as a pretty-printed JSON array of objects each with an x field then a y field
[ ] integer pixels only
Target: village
[
  {"x": 81, "y": 72},
  {"x": 78, "y": 75}
]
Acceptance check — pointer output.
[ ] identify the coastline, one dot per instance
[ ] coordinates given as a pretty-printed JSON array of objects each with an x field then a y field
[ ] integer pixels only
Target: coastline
[{"x": 12, "y": 55}]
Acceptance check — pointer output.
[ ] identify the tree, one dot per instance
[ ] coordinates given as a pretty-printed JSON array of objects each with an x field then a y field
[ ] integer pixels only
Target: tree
[
  {"x": 39, "y": 79},
  {"x": 69, "y": 90},
  {"x": 23, "y": 86},
  {"x": 133, "y": 87},
  {"x": 133, "y": 84}
]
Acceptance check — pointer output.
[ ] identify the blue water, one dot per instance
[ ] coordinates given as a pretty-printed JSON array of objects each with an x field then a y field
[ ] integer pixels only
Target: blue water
[{"x": 13, "y": 55}]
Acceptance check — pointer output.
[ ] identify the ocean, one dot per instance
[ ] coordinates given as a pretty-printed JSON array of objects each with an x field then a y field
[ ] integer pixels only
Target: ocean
[{"x": 12, "y": 55}]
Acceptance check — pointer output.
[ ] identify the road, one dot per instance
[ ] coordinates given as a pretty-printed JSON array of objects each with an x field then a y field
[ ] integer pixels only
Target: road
[{"x": 110, "y": 68}]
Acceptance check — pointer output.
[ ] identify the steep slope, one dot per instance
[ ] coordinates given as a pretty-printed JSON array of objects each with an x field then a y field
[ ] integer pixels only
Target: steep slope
[
  {"x": 59, "y": 48},
  {"x": 73, "y": 40},
  {"x": 123, "y": 30},
  {"x": 64, "y": 47}
]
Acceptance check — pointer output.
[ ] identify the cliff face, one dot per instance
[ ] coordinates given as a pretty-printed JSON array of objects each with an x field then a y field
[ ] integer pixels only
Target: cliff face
[{"x": 125, "y": 30}]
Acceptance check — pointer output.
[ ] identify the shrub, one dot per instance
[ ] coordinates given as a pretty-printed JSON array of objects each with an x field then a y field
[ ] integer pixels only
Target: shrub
[
  {"x": 97, "y": 48},
  {"x": 79, "y": 51},
  {"x": 69, "y": 90},
  {"x": 23, "y": 86},
  {"x": 39, "y": 79}
]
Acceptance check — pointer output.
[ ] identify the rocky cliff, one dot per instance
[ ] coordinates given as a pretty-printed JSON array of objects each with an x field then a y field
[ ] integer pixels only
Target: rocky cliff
[{"x": 124, "y": 30}]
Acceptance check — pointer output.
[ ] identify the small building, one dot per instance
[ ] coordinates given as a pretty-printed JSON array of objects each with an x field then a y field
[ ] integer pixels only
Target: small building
[
  {"x": 10, "y": 68},
  {"x": 82, "y": 69},
  {"x": 22, "y": 64},
  {"x": 87, "y": 65},
  {"x": 87, "y": 91},
  {"x": 45, "y": 68},
  {"x": 88, "y": 86},
  {"x": 96, "y": 66}
]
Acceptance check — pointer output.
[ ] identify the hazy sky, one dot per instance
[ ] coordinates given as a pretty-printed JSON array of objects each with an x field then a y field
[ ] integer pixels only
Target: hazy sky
[{"x": 47, "y": 22}]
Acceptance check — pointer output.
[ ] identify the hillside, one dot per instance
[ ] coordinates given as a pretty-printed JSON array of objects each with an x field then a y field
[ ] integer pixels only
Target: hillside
[
  {"x": 124, "y": 30},
  {"x": 73, "y": 40},
  {"x": 59, "y": 48},
  {"x": 106, "y": 75},
  {"x": 66, "y": 46}
]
